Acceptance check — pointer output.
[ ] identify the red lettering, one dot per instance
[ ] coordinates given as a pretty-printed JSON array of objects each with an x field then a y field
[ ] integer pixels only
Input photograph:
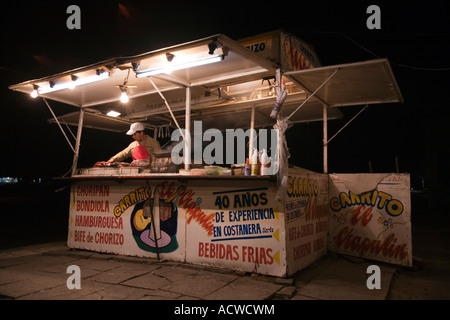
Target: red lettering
[
  {"x": 364, "y": 217},
  {"x": 257, "y": 255},
  {"x": 313, "y": 210},
  {"x": 194, "y": 212},
  {"x": 366, "y": 246},
  {"x": 269, "y": 256},
  {"x": 166, "y": 192},
  {"x": 206, "y": 250},
  {"x": 218, "y": 251},
  {"x": 212, "y": 251},
  {"x": 229, "y": 253},
  {"x": 200, "y": 249}
]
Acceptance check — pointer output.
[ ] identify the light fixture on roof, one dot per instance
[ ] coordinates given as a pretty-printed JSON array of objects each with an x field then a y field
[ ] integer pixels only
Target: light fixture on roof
[
  {"x": 170, "y": 56},
  {"x": 124, "y": 97},
  {"x": 73, "y": 84},
  {"x": 79, "y": 81},
  {"x": 123, "y": 88},
  {"x": 113, "y": 114},
  {"x": 175, "y": 65},
  {"x": 212, "y": 47},
  {"x": 135, "y": 65},
  {"x": 100, "y": 71},
  {"x": 34, "y": 93},
  {"x": 169, "y": 65}
]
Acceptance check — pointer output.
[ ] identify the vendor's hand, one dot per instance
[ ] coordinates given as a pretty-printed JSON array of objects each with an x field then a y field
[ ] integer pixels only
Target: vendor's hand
[{"x": 110, "y": 161}]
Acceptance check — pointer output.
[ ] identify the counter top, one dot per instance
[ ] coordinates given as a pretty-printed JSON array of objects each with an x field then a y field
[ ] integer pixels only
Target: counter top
[{"x": 165, "y": 176}]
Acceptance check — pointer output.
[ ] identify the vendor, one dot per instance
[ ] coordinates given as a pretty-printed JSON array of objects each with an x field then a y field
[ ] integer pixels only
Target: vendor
[{"x": 140, "y": 149}]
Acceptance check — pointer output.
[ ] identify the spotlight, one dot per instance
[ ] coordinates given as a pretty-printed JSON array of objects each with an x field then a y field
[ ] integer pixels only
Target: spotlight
[
  {"x": 170, "y": 56},
  {"x": 73, "y": 84},
  {"x": 34, "y": 93},
  {"x": 135, "y": 65},
  {"x": 212, "y": 47}
]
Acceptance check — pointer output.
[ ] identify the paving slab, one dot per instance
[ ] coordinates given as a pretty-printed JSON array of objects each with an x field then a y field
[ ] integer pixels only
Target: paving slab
[
  {"x": 39, "y": 281},
  {"x": 34, "y": 273},
  {"x": 117, "y": 292},
  {"x": 148, "y": 281},
  {"x": 245, "y": 289},
  {"x": 61, "y": 292},
  {"x": 285, "y": 293},
  {"x": 11, "y": 275},
  {"x": 121, "y": 273},
  {"x": 194, "y": 283},
  {"x": 165, "y": 295},
  {"x": 342, "y": 279}
]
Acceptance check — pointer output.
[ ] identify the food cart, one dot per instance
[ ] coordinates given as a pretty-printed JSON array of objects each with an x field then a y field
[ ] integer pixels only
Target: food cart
[{"x": 200, "y": 212}]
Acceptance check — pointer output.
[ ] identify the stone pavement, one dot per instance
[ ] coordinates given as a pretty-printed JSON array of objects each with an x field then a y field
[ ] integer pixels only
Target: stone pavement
[{"x": 39, "y": 272}]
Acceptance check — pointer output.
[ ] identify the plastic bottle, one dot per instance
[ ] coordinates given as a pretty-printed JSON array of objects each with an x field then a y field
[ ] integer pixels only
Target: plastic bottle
[
  {"x": 247, "y": 169},
  {"x": 264, "y": 163},
  {"x": 254, "y": 163}
]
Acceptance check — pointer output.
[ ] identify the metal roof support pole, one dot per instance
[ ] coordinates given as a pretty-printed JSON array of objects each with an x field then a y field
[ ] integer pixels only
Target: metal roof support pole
[
  {"x": 77, "y": 144},
  {"x": 252, "y": 132},
  {"x": 187, "y": 138},
  {"x": 60, "y": 127},
  {"x": 325, "y": 138}
]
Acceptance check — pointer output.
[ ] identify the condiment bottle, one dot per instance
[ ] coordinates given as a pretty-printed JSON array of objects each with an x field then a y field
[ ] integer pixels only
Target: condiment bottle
[
  {"x": 254, "y": 163},
  {"x": 247, "y": 167},
  {"x": 264, "y": 163}
]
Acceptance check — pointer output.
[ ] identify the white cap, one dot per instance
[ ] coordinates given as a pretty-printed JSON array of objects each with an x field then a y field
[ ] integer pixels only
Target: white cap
[{"x": 137, "y": 126}]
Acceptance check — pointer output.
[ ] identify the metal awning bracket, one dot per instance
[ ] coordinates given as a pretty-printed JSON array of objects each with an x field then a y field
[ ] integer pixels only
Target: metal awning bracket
[
  {"x": 167, "y": 105},
  {"x": 354, "y": 117},
  {"x": 314, "y": 93},
  {"x": 59, "y": 125}
]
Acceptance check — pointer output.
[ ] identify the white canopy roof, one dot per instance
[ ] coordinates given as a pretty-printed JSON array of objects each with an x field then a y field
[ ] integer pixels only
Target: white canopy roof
[
  {"x": 359, "y": 83},
  {"x": 233, "y": 86},
  {"x": 238, "y": 65}
]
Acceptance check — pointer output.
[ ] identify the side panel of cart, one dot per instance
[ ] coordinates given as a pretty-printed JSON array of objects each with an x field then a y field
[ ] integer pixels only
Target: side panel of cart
[
  {"x": 306, "y": 214},
  {"x": 113, "y": 217},
  {"x": 370, "y": 216},
  {"x": 225, "y": 223},
  {"x": 247, "y": 228}
]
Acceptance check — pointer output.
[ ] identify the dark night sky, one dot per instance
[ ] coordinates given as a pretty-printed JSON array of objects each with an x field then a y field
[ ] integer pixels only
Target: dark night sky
[{"x": 414, "y": 36}]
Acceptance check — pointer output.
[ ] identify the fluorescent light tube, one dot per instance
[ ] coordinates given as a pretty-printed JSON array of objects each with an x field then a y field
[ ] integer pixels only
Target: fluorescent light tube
[
  {"x": 173, "y": 67},
  {"x": 113, "y": 114},
  {"x": 78, "y": 82}
]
